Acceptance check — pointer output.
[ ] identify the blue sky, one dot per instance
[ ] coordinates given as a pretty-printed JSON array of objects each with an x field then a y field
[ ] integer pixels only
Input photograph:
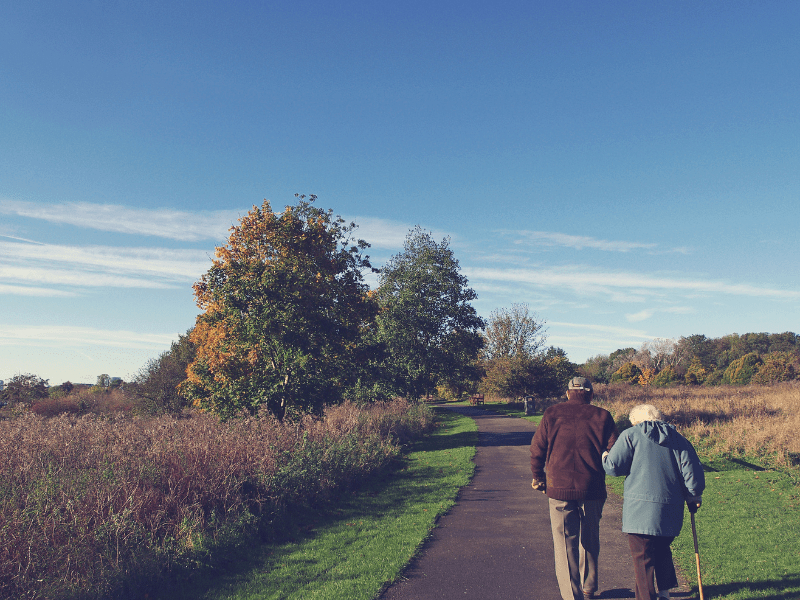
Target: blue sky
[{"x": 628, "y": 169}]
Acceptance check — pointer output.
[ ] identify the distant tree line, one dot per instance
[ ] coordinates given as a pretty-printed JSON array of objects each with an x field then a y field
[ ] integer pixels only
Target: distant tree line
[{"x": 758, "y": 358}]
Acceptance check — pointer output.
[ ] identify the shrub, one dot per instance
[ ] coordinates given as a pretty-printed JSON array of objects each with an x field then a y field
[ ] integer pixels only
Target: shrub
[
  {"x": 776, "y": 367},
  {"x": 696, "y": 373},
  {"x": 741, "y": 370},
  {"x": 646, "y": 378},
  {"x": 55, "y": 405},
  {"x": 665, "y": 377},
  {"x": 24, "y": 388},
  {"x": 627, "y": 373},
  {"x": 157, "y": 382}
]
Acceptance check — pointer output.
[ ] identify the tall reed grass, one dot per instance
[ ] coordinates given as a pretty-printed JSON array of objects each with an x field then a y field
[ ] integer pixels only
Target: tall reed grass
[
  {"x": 90, "y": 504},
  {"x": 755, "y": 420}
]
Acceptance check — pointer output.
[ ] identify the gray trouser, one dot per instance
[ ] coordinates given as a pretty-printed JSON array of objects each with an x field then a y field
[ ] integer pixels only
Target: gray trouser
[{"x": 576, "y": 543}]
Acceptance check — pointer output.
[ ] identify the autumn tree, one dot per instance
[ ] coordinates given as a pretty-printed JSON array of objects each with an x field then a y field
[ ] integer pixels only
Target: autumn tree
[
  {"x": 514, "y": 359},
  {"x": 283, "y": 306},
  {"x": 512, "y": 339},
  {"x": 741, "y": 370},
  {"x": 426, "y": 323}
]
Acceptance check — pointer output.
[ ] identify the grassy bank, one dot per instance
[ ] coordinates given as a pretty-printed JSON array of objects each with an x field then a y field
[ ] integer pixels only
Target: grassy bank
[{"x": 361, "y": 544}]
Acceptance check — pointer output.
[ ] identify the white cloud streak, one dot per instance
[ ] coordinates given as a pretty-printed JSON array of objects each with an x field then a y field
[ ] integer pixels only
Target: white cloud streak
[
  {"x": 22, "y": 290},
  {"x": 390, "y": 235},
  {"x": 66, "y": 336},
  {"x": 381, "y": 233},
  {"x": 99, "y": 266},
  {"x": 643, "y": 315},
  {"x": 161, "y": 222},
  {"x": 583, "y": 280},
  {"x": 579, "y": 242}
]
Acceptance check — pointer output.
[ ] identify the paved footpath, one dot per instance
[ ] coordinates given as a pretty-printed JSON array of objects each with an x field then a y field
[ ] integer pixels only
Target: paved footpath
[{"x": 495, "y": 543}]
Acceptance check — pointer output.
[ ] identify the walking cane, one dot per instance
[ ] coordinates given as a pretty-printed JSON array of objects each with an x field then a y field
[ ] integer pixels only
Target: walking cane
[{"x": 697, "y": 557}]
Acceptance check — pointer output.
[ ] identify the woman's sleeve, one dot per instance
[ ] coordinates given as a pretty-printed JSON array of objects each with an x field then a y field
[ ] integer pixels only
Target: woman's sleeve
[
  {"x": 618, "y": 460},
  {"x": 692, "y": 471}
]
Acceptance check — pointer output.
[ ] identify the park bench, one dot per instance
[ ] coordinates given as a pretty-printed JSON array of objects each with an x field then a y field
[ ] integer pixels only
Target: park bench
[{"x": 476, "y": 399}]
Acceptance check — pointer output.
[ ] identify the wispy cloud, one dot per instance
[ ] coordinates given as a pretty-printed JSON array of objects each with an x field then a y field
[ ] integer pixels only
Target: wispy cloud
[
  {"x": 13, "y": 237},
  {"x": 648, "y": 313},
  {"x": 159, "y": 222},
  {"x": 390, "y": 235},
  {"x": 594, "y": 339},
  {"x": 181, "y": 225},
  {"x": 96, "y": 266},
  {"x": 585, "y": 280},
  {"x": 579, "y": 242},
  {"x": 381, "y": 233},
  {"x": 67, "y": 336},
  {"x": 24, "y": 290}
]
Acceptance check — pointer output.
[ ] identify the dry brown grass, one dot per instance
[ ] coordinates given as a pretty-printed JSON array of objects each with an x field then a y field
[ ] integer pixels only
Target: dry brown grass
[
  {"x": 762, "y": 421},
  {"x": 87, "y": 500}
]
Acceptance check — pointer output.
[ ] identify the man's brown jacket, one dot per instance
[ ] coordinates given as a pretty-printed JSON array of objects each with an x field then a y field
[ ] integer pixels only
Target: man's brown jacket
[{"x": 568, "y": 447}]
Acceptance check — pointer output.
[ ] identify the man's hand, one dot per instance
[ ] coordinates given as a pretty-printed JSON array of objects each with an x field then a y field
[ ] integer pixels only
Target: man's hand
[
  {"x": 539, "y": 485},
  {"x": 694, "y": 503}
]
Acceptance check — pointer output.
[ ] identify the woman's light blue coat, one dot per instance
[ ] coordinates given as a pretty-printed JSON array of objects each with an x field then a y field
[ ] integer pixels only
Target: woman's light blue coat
[{"x": 662, "y": 471}]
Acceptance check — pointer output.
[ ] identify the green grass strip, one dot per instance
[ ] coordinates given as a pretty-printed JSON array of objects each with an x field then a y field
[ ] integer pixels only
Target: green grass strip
[
  {"x": 352, "y": 549},
  {"x": 747, "y": 532},
  {"x": 510, "y": 410}
]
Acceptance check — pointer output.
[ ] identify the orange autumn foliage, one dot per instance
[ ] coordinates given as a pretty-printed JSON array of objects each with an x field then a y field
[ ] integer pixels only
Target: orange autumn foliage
[{"x": 284, "y": 306}]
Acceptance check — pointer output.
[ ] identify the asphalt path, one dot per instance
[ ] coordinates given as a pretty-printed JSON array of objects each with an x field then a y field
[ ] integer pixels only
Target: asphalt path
[{"x": 496, "y": 541}]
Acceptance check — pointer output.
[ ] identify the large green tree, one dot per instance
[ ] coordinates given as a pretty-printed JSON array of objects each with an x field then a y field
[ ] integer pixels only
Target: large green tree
[
  {"x": 284, "y": 305},
  {"x": 430, "y": 331}
]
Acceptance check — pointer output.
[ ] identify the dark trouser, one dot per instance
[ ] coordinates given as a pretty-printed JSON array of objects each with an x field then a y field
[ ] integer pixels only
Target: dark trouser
[{"x": 652, "y": 559}]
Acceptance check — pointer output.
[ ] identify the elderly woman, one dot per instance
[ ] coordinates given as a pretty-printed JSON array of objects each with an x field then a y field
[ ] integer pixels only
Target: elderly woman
[{"x": 662, "y": 472}]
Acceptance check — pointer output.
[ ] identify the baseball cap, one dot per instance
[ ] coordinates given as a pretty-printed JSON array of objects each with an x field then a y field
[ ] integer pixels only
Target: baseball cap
[{"x": 580, "y": 383}]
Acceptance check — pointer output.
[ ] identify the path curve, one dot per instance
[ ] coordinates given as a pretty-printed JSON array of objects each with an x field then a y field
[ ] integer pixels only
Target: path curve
[{"x": 495, "y": 543}]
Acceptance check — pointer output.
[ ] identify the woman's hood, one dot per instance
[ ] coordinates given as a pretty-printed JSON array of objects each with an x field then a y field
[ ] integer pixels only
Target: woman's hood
[{"x": 657, "y": 431}]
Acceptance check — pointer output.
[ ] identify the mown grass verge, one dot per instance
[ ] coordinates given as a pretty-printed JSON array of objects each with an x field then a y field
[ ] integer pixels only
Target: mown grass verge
[{"x": 357, "y": 545}]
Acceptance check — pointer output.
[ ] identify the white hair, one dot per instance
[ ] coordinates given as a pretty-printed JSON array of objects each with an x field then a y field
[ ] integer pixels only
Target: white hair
[{"x": 644, "y": 412}]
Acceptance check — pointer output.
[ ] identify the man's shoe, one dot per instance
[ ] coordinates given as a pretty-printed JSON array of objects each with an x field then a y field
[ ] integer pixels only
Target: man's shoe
[{"x": 589, "y": 595}]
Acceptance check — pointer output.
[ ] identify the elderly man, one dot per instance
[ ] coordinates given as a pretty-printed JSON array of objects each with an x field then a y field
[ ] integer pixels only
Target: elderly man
[{"x": 566, "y": 460}]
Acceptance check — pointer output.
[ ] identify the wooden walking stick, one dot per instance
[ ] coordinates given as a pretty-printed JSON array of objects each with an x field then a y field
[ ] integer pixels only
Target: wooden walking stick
[{"x": 697, "y": 557}]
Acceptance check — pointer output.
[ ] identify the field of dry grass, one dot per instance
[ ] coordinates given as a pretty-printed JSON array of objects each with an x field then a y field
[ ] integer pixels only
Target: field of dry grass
[
  {"x": 87, "y": 501},
  {"x": 755, "y": 420}
]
